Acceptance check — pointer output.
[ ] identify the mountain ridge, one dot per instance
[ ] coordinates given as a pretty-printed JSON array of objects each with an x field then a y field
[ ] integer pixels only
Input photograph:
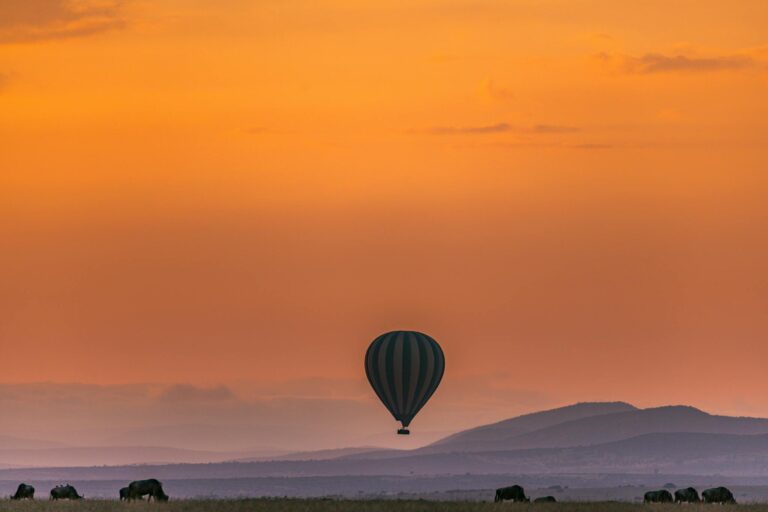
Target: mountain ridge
[
  {"x": 530, "y": 422},
  {"x": 593, "y": 423}
]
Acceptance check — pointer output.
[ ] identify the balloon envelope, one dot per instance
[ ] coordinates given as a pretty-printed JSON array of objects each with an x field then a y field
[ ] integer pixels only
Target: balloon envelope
[{"x": 404, "y": 369}]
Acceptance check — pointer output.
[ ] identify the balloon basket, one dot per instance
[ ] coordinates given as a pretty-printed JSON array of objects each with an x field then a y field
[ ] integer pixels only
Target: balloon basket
[{"x": 403, "y": 431}]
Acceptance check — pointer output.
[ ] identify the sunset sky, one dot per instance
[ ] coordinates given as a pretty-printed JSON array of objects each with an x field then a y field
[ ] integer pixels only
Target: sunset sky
[{"x": 231, "y": 196}]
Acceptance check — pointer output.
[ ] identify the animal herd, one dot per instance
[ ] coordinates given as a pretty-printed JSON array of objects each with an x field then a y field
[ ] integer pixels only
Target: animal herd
[
  {"x": 516, "y": 493},
  {"x": 690, "y": 495},
  {"x": 153, "y": 489},
  {"x": 136, "y": 490}
]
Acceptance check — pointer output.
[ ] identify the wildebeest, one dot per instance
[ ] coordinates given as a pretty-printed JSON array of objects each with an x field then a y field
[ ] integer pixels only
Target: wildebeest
[
  {"x": 545, "y": 499},
  {"x": 65, "y": 492},
  {"x": 718, "y": 495},
  {"x": 687, "y": 495},
  {"x": 24, "y": 492},
  {"x": 124, "y": 494},
  {"x": 511, "y": 493},
  {"x": 151, "y": 488},
  {"x": 662, "y": 496}
]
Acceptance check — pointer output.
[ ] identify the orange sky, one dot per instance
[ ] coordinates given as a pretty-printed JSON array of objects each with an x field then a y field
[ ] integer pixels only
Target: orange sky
[{"x": 568, "y": 194}]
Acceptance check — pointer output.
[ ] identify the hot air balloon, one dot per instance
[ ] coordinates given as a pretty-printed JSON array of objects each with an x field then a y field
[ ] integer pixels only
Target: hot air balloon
[{"x": 404, "y": 369}]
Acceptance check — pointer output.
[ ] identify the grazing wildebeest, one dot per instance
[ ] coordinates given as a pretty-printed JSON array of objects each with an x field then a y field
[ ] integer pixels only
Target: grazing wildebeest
[
  {"x": 662, "y": 496},
  {"x": 718, "y": 495},
  {"x": 511, "y": 493},
  {"x": 545, "y": 499},
  {"x": 151, "y": 488},
  {"x": 65, "y": 492},
  {"x": 687, "y": 495},
  {"x": 124, "y": 494},
  {"x": 24, "y": 492}
]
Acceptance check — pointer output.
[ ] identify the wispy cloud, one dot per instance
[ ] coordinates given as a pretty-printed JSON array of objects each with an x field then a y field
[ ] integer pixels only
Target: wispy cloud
[
  {"x": 503, "y": 128},
  {"x": 552, "y": 128},
  {"x": 660, "y": 63},
  {"x": 533, "y": 144},
  {"x": 591, "y": 146},
  {"x": 40, "y": 20},
  {"x": 472, "y": 130}
]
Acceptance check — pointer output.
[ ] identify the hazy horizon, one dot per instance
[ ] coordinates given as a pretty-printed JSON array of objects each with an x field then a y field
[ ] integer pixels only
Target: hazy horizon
[{"x": 248, "y": 419}]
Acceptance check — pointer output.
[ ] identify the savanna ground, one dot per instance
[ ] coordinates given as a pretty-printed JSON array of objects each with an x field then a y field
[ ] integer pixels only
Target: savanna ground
[{"x": 326, "y": 505}]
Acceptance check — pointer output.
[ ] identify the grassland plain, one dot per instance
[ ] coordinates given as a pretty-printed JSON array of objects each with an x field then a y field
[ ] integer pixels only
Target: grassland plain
[{"x": 330, "y": 505}]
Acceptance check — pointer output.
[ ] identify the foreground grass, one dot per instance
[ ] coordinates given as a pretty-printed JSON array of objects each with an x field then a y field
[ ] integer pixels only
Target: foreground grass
[{"x": 319, "y": 505}]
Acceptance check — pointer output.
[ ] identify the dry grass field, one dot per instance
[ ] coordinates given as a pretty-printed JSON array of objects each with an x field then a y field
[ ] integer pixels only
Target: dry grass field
[{"x": 324, "y": 505}]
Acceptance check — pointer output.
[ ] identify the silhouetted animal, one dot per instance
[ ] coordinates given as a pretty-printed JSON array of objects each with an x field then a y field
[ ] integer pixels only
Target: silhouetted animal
[
  {"x": 687, "y": 495},
  {"x": 545, "y": 499},
  {"x": 24, "y": 492},
  {"x": 718, "y": 495},
  {"x": 151, "y": 488},
  {"x": 65, "y": 492},
  {"x": 511, "y": 493},
  {"x": 124, "y": 494},
  {"x": 662, "y": 496}
]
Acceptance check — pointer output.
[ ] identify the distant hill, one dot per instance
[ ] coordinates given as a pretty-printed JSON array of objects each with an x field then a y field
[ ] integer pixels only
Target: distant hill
[
  {"x": 591, "y": 424},
  {"x": 669, "y": 453},
  {"x": 618, "y": 426},
  {"x": 317, "y": 454},
  {"x": 679, "y": 446},
  {"x": 591, "y": 437},
  {"x": 497, "y": 435}
]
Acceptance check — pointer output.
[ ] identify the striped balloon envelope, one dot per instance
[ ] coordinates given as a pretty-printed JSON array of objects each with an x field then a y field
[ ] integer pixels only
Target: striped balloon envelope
[{"x": 404, "y": 369}]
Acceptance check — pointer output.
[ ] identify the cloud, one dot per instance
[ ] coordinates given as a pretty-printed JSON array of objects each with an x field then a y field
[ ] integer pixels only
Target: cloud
[
  {"x": 552, "y": 144},
  {"x": 659, "y": 63},
  {"x": 502, "y": 128},
  {"x": 591, "y": 146},
  {"x": 472, "y": 130},
  {"x": 552, "y": 128},
  {"x": 40, "y": 20}
]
